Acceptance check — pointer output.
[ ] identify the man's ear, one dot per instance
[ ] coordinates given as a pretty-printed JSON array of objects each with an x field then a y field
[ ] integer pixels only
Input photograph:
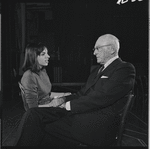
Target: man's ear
[{"x": 113, "y": 50}]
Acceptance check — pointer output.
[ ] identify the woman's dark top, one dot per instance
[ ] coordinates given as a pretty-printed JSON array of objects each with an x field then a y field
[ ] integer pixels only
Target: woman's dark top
[{"x": 37, "y": 87}]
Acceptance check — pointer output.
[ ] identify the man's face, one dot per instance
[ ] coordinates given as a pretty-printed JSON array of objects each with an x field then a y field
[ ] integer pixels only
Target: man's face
[{"x": 102, "y": 51}]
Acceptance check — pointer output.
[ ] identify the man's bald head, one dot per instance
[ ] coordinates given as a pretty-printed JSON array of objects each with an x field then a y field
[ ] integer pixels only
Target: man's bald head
[{"x": 109, "y": 39}]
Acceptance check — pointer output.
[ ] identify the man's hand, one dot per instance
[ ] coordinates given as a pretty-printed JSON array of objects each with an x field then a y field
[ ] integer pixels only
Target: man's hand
[
  {"x": 56, "y": 102},
  {"x": 63, "y": 105}
]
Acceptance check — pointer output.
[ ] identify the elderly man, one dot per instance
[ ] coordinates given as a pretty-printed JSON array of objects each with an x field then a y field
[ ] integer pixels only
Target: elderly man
[{"x": 89, "y": 116}]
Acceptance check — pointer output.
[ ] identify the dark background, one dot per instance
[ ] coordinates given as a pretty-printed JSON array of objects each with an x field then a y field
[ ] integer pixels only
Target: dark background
[
  {"x": 71, "y": 34},
  {"x": 70, "y": 28}
]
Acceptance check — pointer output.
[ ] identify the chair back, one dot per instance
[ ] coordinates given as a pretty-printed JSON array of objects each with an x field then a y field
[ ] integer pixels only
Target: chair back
[
  {"x": 26, "y": 107},
  {"x": 123, "y": 116}
]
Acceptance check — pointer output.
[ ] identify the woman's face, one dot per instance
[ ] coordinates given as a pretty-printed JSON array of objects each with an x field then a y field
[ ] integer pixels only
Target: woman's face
[{"x": 43, "y": 58}]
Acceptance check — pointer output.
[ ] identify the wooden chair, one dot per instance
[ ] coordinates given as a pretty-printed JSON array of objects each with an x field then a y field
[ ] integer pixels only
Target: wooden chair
[
  {"x": 122, "y": 121},
  {"x": 123, "y": 118},
  {"x": 23, "y": 96}
]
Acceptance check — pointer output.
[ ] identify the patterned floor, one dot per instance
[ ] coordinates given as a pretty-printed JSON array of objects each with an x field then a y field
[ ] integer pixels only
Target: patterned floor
[{"x": 136, "y": 131}]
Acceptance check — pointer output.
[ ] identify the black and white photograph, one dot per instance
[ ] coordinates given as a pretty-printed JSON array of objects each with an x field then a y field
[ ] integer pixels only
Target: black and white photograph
[{"x": 74, "y": 73}]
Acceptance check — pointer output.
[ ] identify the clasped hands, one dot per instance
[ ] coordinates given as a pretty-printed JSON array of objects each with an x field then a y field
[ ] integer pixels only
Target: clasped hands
[{"x": 59, "y": 101}]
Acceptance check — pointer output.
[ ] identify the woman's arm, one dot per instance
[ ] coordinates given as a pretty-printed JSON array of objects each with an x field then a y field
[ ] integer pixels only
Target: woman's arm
[
  {"x": 45, "y": 105},
  {"x": 54, "y": 94},
  {"x": 31, "y": 90},
  {"x": 59, "y": 94}
]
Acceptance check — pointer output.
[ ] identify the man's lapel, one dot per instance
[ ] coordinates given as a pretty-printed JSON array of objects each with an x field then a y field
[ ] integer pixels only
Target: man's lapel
[{"x": 107, "y": 70}]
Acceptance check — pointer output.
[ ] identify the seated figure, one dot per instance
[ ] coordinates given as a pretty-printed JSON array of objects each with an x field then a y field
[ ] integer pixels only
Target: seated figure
[
  {"x": 88, "y": 116},
  {"x": 35, "y": 81}
]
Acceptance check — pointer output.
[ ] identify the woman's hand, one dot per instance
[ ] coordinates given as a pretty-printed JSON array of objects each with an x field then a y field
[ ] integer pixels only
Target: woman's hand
[
  {"x": 67, "y": 94},
  {"x": 59, "y": 94}
]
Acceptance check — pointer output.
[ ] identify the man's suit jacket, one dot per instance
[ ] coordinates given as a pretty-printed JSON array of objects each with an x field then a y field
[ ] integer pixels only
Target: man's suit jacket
[{"x": 94, "y": 109}]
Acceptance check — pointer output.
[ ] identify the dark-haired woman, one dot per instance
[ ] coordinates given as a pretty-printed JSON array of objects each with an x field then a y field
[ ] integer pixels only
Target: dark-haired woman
[
  {"x": 38, "y": 95},
  {"x": 35, "y": 80}
]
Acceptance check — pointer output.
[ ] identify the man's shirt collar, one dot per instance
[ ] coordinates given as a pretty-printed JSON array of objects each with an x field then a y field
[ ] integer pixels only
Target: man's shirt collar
[{"x": 110, "y": 61}]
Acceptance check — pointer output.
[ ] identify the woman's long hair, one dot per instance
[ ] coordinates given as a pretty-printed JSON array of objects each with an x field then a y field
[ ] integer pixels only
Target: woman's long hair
[{"x": 32, "y": 50}]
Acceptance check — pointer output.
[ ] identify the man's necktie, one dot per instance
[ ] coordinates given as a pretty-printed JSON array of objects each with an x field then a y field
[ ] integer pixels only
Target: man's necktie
[{"x": 101, "y": 69}]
